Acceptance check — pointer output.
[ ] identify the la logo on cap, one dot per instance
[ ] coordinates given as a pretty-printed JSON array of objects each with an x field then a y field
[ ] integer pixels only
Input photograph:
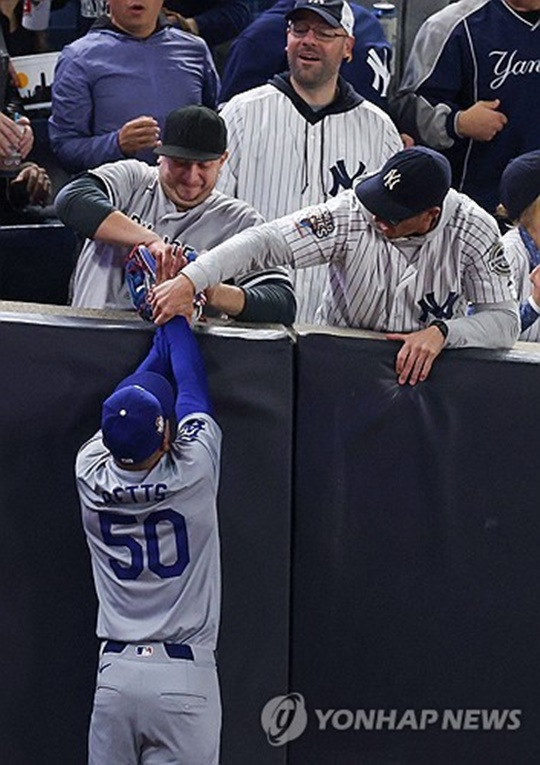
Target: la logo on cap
[{"x": 392, "y": 178}]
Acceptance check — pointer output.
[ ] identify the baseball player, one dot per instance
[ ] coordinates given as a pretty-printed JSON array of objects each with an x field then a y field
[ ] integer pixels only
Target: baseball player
[
  {"x": 405, "y": 253},
  {"x": 520, "y": 196},
  {"x": 147, "y": 483},
  {"x": 126, "y": 203},
  {"x": 307, "y": 134}
]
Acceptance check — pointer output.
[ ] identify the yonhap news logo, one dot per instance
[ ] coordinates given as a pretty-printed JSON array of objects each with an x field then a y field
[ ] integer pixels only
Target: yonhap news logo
[{"x": 285, "y": 718}]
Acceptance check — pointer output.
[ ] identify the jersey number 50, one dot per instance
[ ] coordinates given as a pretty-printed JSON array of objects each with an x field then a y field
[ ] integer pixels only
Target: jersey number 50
[{"x": 150, "y": 527}]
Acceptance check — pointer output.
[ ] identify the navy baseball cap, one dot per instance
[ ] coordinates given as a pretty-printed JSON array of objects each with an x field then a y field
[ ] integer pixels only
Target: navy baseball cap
[
  {"x": 520, "y": 183},
  {"x": 133, "y": 417},
  {"x": 194, "y": 133},
  {"x": 337, "y": 13},
  {"x": 409, "y": 183}
]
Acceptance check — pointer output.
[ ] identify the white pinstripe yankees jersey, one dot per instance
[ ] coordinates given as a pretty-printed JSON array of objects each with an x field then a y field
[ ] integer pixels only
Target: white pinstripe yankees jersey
[
  {"x": 283, "y": 156},
  {"x": 376, "y": 283},
  {"x": 153, "y": 536},
  {"x": 520, "y": 263},
  {"x": 134, "y": 189}
]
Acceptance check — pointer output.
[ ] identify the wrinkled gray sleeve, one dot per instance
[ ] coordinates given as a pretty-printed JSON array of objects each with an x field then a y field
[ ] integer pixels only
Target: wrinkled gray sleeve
[
  {"x": 493, "y": 325},
  {"x": 251, "y": 250}
]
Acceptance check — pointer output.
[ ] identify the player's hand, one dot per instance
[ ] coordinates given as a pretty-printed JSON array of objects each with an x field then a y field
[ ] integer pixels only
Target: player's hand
[
  {"x": 36, "y": 182},
  {"x": 481, "y": 121},
  {"x": 417, "y": 354},
  {"x": 137, "y": 134},
  {"x": 534, "y": 278},
  {"x": 173, "y": 297}
]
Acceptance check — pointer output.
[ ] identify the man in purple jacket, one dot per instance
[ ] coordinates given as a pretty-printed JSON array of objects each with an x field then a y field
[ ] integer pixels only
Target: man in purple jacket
[{"x": 114, "y": 87}]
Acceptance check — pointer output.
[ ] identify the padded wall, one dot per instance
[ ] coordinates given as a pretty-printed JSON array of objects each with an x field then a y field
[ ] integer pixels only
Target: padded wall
[
  {"x": 54, "y": 377},
  {"x": 411, "y": 574},
  {"x": 416, "y": 549}
]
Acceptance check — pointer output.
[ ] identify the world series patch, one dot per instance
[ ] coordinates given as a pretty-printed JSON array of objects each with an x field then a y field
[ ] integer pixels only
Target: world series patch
[
  {"x": 320, "y": 222},
  {"x": 497, "y": 262}
]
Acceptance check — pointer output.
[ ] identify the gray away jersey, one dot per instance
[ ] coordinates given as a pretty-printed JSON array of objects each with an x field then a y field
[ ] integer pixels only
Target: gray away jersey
[
  {"x": 134, "y": 189},
  {"x": 153, "y": 539},
  {"x": 279, "y": 162}
]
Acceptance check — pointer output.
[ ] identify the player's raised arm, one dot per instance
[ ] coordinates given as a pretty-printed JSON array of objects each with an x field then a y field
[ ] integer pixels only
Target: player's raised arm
[{"x": 187, "y": 368}]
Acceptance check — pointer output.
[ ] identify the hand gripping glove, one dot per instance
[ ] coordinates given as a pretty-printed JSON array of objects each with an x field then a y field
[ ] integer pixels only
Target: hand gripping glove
[{"x": 140, "y": 273}]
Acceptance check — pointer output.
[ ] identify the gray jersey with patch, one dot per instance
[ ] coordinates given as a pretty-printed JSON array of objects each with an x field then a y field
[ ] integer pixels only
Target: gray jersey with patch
[
  {"x": 134, "y": 189},
  {"x": 153, "y": 538}
]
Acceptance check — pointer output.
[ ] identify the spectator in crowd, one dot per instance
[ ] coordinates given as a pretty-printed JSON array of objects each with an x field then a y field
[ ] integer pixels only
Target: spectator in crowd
[
  {"x": 307, "y": 134},
  {"x": 113, "y": 87},
  {"x": 24, "y": 195},
  {"x": 470, "y": 88},
  {"x": 406, "y": 255},
  {"x": 258, "y": 6},
  {"x": 259, "y": 53},
  {"x": 520, "y": 196},
  {"x": 19, "y": 41},
  {"x": 127, "y": 203},
  {"x": 23, "y": 184},
  {"x": 216, "y": 21}
]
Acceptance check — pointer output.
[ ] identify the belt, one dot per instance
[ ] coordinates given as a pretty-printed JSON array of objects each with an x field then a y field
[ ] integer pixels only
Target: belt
[{"x": 173, "y": 650}]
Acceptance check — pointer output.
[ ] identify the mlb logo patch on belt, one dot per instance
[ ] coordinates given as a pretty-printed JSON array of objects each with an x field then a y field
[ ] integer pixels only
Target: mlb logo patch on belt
[{"x": 145, "y": 650}]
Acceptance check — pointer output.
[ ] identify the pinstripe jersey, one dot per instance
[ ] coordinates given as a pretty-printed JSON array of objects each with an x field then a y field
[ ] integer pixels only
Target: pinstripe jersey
[
  {"x": 375, "y": 283},
  {"x": 134, "y": 189},
  {"x": 153, "y": 536},
  {"x": 401, "y": 284},
  {"x": 520, "y": 263},
  {"x": 284, "y": 156}
]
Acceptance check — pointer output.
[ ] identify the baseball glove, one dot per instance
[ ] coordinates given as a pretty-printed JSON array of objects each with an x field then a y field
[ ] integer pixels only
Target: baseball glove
[{"x": 140, "y": 273}]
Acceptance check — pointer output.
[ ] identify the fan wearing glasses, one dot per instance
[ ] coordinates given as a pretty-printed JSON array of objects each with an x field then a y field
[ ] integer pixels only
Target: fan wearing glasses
[
  {"x": 306, "y": 135},
  {"x": 315, "y": 52}
]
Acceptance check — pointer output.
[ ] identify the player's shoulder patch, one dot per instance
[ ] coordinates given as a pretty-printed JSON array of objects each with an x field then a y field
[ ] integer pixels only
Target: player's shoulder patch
[
  {"x": 190, "y": 430},
  {"x": 497, "y": 261},
  {"x": 319, "y": 221}
]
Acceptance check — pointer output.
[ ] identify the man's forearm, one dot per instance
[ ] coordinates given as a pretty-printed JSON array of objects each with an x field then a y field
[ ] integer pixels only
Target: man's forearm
[
  {"x": 226, "y": 298},
  {"x": 255, "y": 248},
  {"x": 493, "y": 325},
  {"x": 118, "y": 229}
]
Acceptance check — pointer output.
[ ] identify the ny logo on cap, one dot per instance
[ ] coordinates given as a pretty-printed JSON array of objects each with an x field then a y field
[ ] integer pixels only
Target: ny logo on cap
[{"x": 392, "y": 178}]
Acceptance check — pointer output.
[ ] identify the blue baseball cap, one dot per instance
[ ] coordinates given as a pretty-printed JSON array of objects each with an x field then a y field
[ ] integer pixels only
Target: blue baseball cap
[
  {"x": 409, "y": 183},
  {"x": 337, "y": 13},
  {"x": 133, "y": 417},
  {"x": 520, "y": 183}
]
